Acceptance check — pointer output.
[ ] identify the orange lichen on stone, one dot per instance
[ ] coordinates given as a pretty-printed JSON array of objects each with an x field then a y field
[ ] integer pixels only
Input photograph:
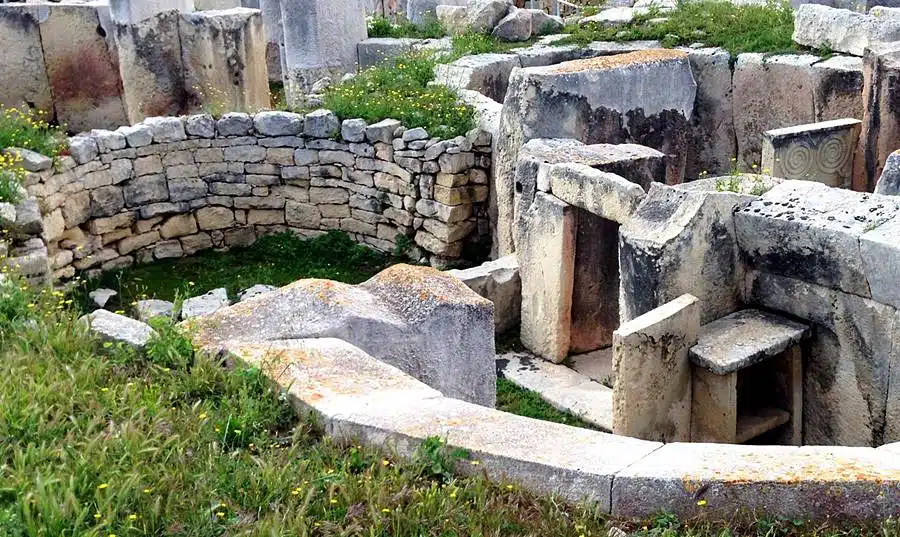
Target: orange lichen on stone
[{"x": 600, "y": 63}]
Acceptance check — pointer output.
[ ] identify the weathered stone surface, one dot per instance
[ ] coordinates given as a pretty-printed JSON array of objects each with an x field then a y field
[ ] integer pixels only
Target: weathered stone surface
[
  {"x": 881, "y": 259},
  {"x": 376, "y": 50},
  {"x": 136, "y": 135},
  {"x": 842, "y": 30},
  {"x": 151, "y": 66},
  {"x": 543, "y": 23},
  {"x": 24, "y": 73},
  {"x": 424, "y": 11},
  {"x": 201, "y": 125},
  {"x": 838, "y": 88},
  {"x": 255, "y": 291},
  {"x": 809, "y": 482},
  {"x": 546, "y": 255},
  {"x": 881, "y": 126},
  {"x": 321, "y": 124},
  {"x": 485, "y": 14},
  {"x": 116, "y": 328},
  {"x": 83, "y": 149},
  {"x": 563, "y": 388},
  {"x": 652, "y": 393},
  {"x": 453, "y": 19},
  {"x": 84, "y": 77},
  {"x": 499, "y": 282},
  {"x": 600, "y": 193},
  {"x": 668, "y": 249},
  {"x": 743, "y": 339},
  {"x": 515, "y": 26},
  {"x": 644, "y": 98},
  {"x": 889, "y": 182},
  {"x": 166, "y": 129},
  {"x": 224, "y": 55},
  {"x": 821, "y": 152},
  {"x": 487, "y": 74},
  {"x": 147, "y": 189},
  {"x": 420, "y": 320},
  {"x": 204, "y": 305},
  {"x": 147, "y": 309},
  {"x": 29, "y": 160},
  {"x": 713, "y": 119},
  {"x": 101, "y": 296},
  {"x": 612, "y": 16},
  {"x": 770, "y": 92},
  {"x": 134, "y": 11}
]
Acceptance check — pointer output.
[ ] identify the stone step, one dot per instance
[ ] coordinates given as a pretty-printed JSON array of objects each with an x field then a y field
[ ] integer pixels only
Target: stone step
[
  {"x": 765, "y": 420},
  {"x": 561, "y": 387},
  {"x": 596, "y": 365}
]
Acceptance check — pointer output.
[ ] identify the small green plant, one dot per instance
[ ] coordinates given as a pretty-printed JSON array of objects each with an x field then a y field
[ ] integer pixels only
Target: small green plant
[
  {"x": 437, "y": 460},
  {"x": 169, "y": 347},
  {"x": 381, "y": 26},
  {"x": 400, "y": 89},
  {"x": 729, "y": 183},
  {"x": 29, "y": 129},
  {"x": 11, "y": 176},
  {"x": 402, "y": 245}
]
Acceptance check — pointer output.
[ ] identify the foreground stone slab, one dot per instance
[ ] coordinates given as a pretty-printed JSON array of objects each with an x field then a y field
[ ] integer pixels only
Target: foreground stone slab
[
  {"x": 565, "y": 389},
  {"x": 24, "y": 76},
  {"x": 821, "y": 152},
  {"x": 420, "y": 320},
  {"x": 614, "y": 99},
  {"x": 719, "y": 480},
  {"x": 499, "y": 282},
  {"x": 652, "y": 394},
  {"x": 224, "y": 54},
  {"x": 118, "y": 328},
  {"x": 547, "y": 234}
]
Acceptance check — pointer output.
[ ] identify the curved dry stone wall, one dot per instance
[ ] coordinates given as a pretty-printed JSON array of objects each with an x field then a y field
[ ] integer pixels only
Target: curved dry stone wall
[{"x": 170, "y": 187}]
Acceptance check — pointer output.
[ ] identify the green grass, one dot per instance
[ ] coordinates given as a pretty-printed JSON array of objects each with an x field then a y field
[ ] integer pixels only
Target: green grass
[
  {"x": 10, "y": 181},
  {"x": 381, "y": 26},
  {"x": 737, "y": 29},
  {"x": 471, "y": 43},
  {"x": 28, "y": 129},
  {"x": 274, "y": 260},
  {"x": 399, "y": 89},
  {"x": 516, "y": 400}
]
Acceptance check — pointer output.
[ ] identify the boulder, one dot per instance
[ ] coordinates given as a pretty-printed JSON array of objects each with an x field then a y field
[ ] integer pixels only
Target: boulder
[
  {"x": 206, "y": 304},
  {"x": 842, "y": 30},
  {"x": 116, "y": 328},
  {"x": 485, "y": 14},
  {"x": 487, "y": 74},
  {"x": 101, "y": 296},
  {"x": 426, "y": 323},
  {"x": 454, "y": 19},
  {"x": 499, "y": 282},
  {"x": 275, "y": 123},
  {"x": 645, "y": 98},
  {"x": 29, "y": 160},
  {"x": 543, "y": 23},
  {"x": 144, "y": 310},
  {"x": 516, "y": 26},
  {"x": 889, "y": 182}
]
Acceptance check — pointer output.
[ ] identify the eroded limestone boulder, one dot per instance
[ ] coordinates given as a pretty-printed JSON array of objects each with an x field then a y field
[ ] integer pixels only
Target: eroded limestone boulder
[
  {"x": 116, "y": 328},
  {"x": 842, "y": 30},
  {"x": 426, "y": 323}
]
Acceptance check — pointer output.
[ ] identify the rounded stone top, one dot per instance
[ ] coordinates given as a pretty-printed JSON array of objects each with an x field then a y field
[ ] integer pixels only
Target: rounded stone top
[{"x": 655, "y": 55}]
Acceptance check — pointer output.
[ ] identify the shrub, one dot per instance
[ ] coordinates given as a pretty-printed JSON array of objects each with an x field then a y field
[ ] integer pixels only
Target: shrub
[
  {"x": 399, "y": 89},
  {"x": 380, "y": 26},
  {"x": 28, "y": 129},
  {"x": 11, "y": 175}
]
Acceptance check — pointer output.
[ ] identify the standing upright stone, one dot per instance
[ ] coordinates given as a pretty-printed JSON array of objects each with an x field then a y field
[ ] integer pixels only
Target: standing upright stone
[
  {"x": 84, "y": 78},
  {"x": 652, "y": 367},
  {"x": 224, "y": 54},
  {"x": 151, "y": 67},
  {"x": 24, "y": 75},
  {"x": 274, "y": 29},
  {"x": 889, "y": 182},
  {"x": 881, "y": 124},
  {"x": 320, "y": 39}
]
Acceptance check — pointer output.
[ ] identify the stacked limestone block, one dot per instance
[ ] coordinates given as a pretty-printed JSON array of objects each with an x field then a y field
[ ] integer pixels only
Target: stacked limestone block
[
  {"x": 23, "y": 249},
  {"x": 170, "y": 187}
]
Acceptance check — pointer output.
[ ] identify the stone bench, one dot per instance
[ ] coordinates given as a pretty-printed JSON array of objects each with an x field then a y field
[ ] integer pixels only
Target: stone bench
[{"x": 748, "y": 379}]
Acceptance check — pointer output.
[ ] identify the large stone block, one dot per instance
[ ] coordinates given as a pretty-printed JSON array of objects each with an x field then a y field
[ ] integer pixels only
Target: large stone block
[
  {"x": 682, "y": 240},
  {"x": 838, "y": 88},
  {"x": 426, "y": 323},
  {"x": 84, "y": 77},
  {"x": 643, "y": 97},
  {"x": 487, "y": 74},
  {"x": 151, "y": 67},
  {"x": 770, "y": 92},
  {"x": 821, "y": 152},
  {"x": 713, "y": 121},
  {"x": 424, "y": 11},
  {"x": 379, "y": 49},
  {"x": 499, "y": 282},
  {"x": 274, "y": 29},
  {"x": 889, "y": 181},
  {"x": 603, "y": 194},
  {"x": 135, "y": 11},
  {"x": 651, "y": 363},
  {"x": 842, "y": 30},
  {"x": 881, "y": 124},
  {"x": 224, "y": 54},
  {"x": 24, "y": 74},
  {"x": 320, "y": 38},
  {"x": 547, "y": 234}
]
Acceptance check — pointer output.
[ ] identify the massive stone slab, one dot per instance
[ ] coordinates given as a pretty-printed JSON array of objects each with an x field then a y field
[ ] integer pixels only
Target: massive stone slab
[
  {"x": 375, "y": 50},
  {"x": 713, "y": 119},
  {"x": 838, "y": 88},
  {"x": 842, "y": 30},
  {"x": 652, "y": 393},
  {"x": 499, "y": 282},
  {"x": 424, "y": 11},
  {"x": 134, "y": 11},
  {"x": 428, "y": 324},
  {"x": 151, "y": 67},
  {"x": 770, "y": 92},
  {"x": 603, "y": 194},
  {"x": 547, "y": 235},
  {"x": 881, "y": 125},
  {"x": 224, "y": 54},
  {"x": 889, "y": 182},
  {"x": 84, "y": 77},
  {"x": 24, "y": 74},
  {"x": 274, "y": 29},
  {"x": 487, "y": 74},
  {"x": 682, "y": 240},
  {"x": 821, "y": 152},
  {"x": 320, "y": 38},
  {"x": 642, "y": 97}
]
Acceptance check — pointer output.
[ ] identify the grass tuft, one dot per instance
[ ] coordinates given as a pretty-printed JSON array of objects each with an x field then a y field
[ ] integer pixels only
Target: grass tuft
[
  {"x": 29, "y": 129},
  {"x": 381, "y": 26}
]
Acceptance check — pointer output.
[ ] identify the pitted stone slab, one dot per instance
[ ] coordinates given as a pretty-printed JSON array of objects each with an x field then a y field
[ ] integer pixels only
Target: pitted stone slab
[
  {"x": 743, "y": 339},
  {"x": 565, "y": 389},
  {"x": 418, "y": 319},
  {"x": 795, "y": 483},
  {"x": 811, "y": 232}
]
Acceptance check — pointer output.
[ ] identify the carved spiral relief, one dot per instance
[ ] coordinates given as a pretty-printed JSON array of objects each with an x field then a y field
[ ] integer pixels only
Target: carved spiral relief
[
  {"x": 834, "y": 154},
  {"x": 797, "y": 161},
  {"x": 826, "y": 160}
]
